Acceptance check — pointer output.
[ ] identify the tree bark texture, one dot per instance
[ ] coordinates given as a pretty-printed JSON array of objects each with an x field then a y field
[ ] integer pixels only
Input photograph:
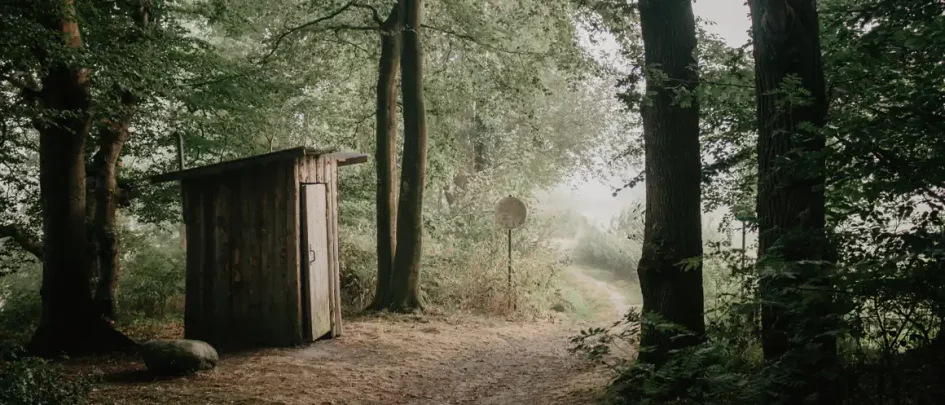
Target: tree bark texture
[
  {"x": 670, "y": 267},
  {"x": 405, "y": 280},
  {"x": 790, "y": 201},
  {"x": 68, "y": 322},
  {"x": 111, "y": 140},
  {"x": 385, "y": 152}
]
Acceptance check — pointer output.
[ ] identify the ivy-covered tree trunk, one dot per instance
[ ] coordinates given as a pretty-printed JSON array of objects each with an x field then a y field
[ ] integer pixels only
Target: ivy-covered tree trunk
[
  {"x": 405, "y": 281},
  {"x": 68, "y": 323},
  {"x": 385, "y": 153},
  {"x": 670, "y": 267},
  {"x": 791, "y": 109}
]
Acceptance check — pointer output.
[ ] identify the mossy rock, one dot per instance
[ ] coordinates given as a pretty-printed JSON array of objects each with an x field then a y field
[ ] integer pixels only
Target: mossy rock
[{"x": 178, "y": 357}]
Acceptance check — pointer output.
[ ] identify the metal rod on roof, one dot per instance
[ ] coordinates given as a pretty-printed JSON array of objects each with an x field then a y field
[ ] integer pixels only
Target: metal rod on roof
[
  {"x": 180, "y": 166},
  {"x": 180, "y": 150}
]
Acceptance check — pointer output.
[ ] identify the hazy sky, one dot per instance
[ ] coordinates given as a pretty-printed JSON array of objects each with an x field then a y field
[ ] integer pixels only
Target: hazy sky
[
  {"x": 730, "y": 17},
  {"x": 594, "y": 199}
]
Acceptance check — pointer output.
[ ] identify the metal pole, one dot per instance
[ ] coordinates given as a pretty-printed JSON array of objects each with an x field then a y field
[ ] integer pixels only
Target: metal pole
[
  {"x": 180, "y": 166},
  {"x": 743, "y": 244},
  {"x": 180, "y": 151},
  {"x": 511, "y": 299}
]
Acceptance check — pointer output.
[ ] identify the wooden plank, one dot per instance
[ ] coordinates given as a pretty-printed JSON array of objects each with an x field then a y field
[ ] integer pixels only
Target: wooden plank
[
  {"x": 265, "y": 237},
  {"x": 221, "y": 269},
  {"x": 322, "y": 176},
  {"x": 274, "y": 304},
  {"x": 346, "y": 158},
  {"x": 193, "y": 217},
  {"x": 288, "y": 155},
  {"x": 288, "y": 228},
  {"x": 248, "y": 266},
  {"x": 237, "y": 286},
  {"x": 208, "y": 263},
  {"x": 333, "y": 238},
  {"x": 316, "y": 262}
]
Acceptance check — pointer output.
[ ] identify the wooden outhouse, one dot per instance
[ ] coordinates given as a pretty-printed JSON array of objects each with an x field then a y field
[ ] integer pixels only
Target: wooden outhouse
[{"x": 262, "y": 248}]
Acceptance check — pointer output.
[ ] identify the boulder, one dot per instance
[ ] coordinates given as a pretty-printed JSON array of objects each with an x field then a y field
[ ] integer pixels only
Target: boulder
[{"x": 179, "y": 356}]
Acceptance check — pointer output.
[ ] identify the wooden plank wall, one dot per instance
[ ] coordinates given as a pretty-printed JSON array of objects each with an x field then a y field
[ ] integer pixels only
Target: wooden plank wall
[
  {"x": 324, "y": 170},
  {"x": 242, "y": 257}
]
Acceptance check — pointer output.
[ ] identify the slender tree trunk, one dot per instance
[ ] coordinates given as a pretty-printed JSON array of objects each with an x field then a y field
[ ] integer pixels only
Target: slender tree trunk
[
  {"x": 111, "y": 141},
  {"x": 670, "y": 266},
  {"x": 68, "y": 323},
  {"x": 405, "y": 280},
  {"x": 790, "y": 203},
  {"x": 385, "y": 153}
]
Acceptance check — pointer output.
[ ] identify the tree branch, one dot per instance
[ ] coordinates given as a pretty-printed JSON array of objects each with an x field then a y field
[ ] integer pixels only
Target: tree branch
[
  {"x": 21, "y": 81},
  {"x": 282, "y": 36},
  {"x": 24, "y": 238},
  {"x": 374, "y": 13},
  {"x": 472, "y": 39}
]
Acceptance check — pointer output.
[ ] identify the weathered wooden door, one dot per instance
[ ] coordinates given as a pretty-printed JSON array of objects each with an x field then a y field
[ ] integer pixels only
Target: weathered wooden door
[{"x": 316, "y": 285}]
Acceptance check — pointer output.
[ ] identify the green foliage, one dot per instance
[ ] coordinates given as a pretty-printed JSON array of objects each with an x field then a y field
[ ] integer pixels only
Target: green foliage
[
  {"x": 21, "y": 306},
  {"x": 32, "y": 381},
  {"x": 884, "y": 210},
  {"x": 616, "y": 248},
  {"x": 152, "y": 272},
  {"x": 713, "y": 372}
]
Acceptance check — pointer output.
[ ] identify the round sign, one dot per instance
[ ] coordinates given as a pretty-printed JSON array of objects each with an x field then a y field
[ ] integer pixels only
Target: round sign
[{"x": 510, "y": 213}]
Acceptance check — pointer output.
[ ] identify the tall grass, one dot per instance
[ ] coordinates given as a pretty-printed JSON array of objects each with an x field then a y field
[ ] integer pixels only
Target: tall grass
[{"x": 616, "y": 247}]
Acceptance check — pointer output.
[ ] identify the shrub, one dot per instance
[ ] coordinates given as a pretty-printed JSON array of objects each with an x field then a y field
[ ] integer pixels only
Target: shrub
[
  {"x": 152, "y": 272},
  {"x": 615, "y": 248},
  {"x": 20, "y": 305},
  {"x": 465, "y": 265},
  {"x": 32, "y": 381},
  {"x": 358, "y": 269},
  {"x": 714, "y": 372}
]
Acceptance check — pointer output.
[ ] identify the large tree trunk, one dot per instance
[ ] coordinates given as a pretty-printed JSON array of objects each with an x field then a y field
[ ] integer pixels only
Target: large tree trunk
[
  {"x": 405, "y": 280},
  {"x": 68, "y": 322},
  {"x": 385, "y": 152},
  {"x": 670, "y": 267},
  {"x": 790, "y": 203}
]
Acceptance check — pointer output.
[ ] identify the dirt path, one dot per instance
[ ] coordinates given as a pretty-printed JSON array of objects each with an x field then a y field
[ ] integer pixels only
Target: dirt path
[
  {"x": 617, "y": 299},
  {"x": 388, "y": 361},
  {"x": 401, "y": 360}
]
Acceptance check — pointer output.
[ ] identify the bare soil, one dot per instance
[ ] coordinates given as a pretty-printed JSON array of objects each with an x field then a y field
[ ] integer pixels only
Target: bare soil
[
  {"x": 391, "y": 360},
  {"x": 388, "y": 360}
]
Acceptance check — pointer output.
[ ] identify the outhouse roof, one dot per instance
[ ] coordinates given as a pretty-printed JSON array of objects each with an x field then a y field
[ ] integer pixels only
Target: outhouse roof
[{"x": 342, "y": 159}]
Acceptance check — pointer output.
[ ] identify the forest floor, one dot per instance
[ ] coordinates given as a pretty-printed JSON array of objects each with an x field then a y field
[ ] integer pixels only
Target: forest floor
[{"x": 454, "y": 359}]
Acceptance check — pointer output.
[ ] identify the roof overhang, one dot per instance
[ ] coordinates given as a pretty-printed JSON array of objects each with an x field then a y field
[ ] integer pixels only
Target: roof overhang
[{"x": 341, "y": 159}]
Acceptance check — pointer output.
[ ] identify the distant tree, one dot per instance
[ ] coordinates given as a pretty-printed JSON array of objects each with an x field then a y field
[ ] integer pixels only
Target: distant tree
[
  {"x": 385, "y": 151},
  {"x": 405, "y": 279},
  {"x": 670, "y": 266}
]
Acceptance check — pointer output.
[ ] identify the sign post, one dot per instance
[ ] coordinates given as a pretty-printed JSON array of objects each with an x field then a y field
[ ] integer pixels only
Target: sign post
[
  {"x": 743, "y": 214},
  {"x": 510, "y": 213}
]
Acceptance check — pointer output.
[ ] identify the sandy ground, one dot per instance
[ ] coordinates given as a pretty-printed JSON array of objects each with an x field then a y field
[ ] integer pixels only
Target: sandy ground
[{"x": 393, "y": 360}]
